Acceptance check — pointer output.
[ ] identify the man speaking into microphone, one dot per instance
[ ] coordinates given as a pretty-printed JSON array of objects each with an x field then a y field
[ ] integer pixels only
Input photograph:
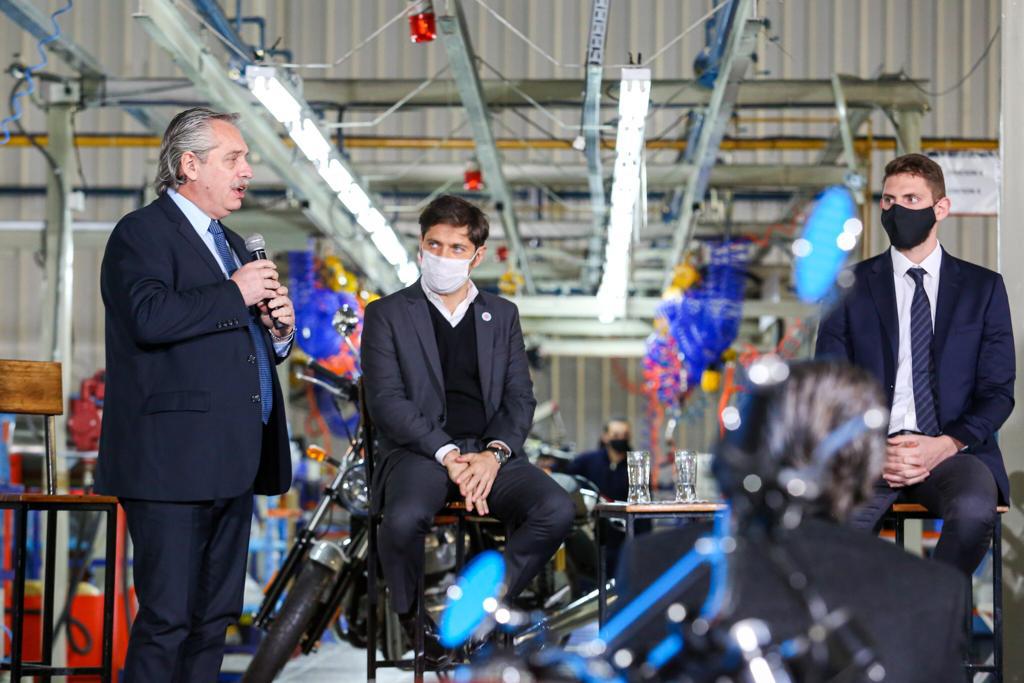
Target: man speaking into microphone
[{"x": 193, "y": 421}]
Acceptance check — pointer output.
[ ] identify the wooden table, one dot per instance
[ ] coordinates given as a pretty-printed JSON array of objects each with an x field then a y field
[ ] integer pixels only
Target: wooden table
[{"x": 631, "y": 512}]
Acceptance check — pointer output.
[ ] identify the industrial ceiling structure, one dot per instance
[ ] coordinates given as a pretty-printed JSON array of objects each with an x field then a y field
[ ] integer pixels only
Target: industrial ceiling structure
[{"x": 599, "y": 184}]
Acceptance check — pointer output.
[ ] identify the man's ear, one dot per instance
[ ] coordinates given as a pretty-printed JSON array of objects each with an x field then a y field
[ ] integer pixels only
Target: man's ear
[
  {"x": 479, "y": 258},
  {"x": 942, "y": 208},
  {"x": 189, "y": 166}
]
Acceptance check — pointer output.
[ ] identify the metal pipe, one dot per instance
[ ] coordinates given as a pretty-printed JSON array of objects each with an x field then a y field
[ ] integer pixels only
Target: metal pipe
[{"x": 777, "y": 142}]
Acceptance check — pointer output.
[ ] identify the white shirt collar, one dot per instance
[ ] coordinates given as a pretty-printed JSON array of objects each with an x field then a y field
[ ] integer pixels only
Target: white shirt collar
[
  {"x": 456, "y": 316},
  {"x": 199, "y": 220},
  {"x": 931, "y": 264}
]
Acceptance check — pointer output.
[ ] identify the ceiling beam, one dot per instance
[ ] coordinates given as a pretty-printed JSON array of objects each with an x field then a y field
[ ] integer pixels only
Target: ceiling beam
[
  {"x": 739, "y": 47},
  {"x": 462, "y": 63},
  {"x": 168, "y": 28},
  {"x": 642, "y": 308},
  {"x": 888, "y": 92},
  {"x": 559, "y": 176}
]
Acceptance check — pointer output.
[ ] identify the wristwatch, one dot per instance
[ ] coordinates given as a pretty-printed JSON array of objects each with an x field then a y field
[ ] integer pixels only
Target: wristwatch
[{"x": 502, "y": 455}]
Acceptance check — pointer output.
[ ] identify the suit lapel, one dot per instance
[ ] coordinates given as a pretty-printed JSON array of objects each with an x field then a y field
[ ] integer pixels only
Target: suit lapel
[
  {"x": 420, "y": 315},
  {"x": 883, "y": 291},
  {"x": 949, "y": 292},
  {"x": 189, "y": 233},
  {"x": 484, "y": 323}
]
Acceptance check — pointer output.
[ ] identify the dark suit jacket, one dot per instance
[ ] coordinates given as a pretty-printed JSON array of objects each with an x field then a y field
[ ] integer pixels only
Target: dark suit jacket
[
  {"x": 594, "y": 465},
  {"x": 913, "y": 610},
  {"x": 972, "y": 347},
  {"x": 404, "y": 386},
  {"x": 181, "y": 421}
]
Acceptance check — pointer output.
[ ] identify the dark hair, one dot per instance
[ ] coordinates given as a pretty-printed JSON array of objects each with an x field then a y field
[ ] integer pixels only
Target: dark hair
[
  {"x": 614, "y": 418},
  {"x": 457, "y": 212},
  {"x": 815, "y": 400},
  {"x": 921, "y": 166}
]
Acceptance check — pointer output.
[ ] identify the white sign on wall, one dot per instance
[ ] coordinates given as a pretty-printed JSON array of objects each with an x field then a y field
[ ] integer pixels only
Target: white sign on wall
[{"x": 972, "y": 181}]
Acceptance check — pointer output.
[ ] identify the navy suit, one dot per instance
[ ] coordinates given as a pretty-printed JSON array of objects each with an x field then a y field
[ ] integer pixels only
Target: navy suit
[
  {"x": 405, "y": 395},
  {"x": 974, "y": 365},
  {"x": 182, "y": 443}
]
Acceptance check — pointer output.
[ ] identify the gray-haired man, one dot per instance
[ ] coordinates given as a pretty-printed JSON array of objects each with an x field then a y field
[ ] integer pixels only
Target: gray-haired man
[{"x": 193, "y": 419}]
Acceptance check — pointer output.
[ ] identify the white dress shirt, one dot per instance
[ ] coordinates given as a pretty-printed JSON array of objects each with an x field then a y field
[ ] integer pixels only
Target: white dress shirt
[
  {"x": 201, "y": 223},
  {"x": 454, "y": 318},
  {"x": 903, "y": 415}
]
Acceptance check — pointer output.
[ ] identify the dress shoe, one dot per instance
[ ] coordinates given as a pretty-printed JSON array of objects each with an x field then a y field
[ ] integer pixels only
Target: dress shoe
[{"x": 434, "y": 653}]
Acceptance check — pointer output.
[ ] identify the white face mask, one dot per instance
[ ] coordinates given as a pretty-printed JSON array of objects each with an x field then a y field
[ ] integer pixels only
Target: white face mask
[{"x": 444, "y": 275}]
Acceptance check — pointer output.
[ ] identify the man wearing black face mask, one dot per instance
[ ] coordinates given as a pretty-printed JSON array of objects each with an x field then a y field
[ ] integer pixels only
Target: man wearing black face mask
[
  {"x": 606, "y": 466},
  {"x": 935, "y": 331}
]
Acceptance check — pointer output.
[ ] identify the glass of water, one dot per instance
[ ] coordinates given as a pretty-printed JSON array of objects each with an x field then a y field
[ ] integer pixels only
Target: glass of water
[
  {"x": 638, "y": 469},
  {"x": 686, "y": 476}
]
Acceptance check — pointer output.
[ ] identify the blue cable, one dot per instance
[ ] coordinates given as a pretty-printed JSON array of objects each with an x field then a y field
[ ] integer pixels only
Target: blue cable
[{"x": 16, "y": 111}]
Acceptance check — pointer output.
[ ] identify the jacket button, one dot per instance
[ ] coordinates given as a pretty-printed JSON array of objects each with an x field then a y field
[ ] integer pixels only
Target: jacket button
[
  {"x": 255, "y": 398},
  {"x": 251, "y": 359}
]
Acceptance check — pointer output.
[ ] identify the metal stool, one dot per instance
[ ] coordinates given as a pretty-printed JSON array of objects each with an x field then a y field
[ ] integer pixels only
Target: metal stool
[
  {"x": 34, "y": 388},
  {"x": 900, "y": 512}
]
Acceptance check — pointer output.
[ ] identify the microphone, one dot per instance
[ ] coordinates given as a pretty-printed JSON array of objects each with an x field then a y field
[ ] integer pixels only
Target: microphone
[{"x": 257, "y": 246}]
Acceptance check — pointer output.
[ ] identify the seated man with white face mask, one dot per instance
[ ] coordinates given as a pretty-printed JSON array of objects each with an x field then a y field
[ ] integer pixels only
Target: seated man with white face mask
[{"x": 449, "y": 391}]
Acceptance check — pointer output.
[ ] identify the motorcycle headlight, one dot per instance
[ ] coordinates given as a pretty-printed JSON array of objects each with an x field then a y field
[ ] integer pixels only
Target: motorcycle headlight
[{"x": 355, "y": 491}]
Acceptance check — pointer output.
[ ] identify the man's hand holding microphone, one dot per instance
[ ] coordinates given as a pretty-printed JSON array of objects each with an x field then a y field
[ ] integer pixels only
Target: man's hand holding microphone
[{"x": 259, "y": 284}]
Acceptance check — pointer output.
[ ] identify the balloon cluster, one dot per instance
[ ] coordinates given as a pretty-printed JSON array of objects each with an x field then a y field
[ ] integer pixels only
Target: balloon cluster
[
  {"x": 319, "y": 289},
  {"x": 662, "y": 367},
  {"x": 704, "y": 319}
]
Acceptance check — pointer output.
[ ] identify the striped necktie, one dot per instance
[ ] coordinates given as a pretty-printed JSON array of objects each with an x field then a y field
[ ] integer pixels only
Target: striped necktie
[
  {"x": 259, "y": 347},
  {"x": 921, "y": 356}
]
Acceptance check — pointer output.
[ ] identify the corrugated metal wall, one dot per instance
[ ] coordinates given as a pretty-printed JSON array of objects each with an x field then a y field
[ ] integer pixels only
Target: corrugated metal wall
[{"x": 938, "y": 40}]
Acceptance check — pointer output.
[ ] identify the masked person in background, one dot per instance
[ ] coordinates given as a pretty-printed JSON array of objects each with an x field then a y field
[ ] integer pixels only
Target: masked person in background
[
  {"x": 935, "y": 332},
  {"x": 449, "y": 390},
  {"x": 606, "y": 468}
]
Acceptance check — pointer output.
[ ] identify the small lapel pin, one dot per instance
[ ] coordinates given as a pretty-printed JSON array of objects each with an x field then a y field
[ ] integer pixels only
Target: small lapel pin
[{"x": 486, "y": 316}]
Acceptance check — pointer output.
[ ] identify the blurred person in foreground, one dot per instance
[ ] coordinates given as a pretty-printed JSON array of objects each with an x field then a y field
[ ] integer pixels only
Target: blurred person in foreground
[{"x": 912, "y": 611}]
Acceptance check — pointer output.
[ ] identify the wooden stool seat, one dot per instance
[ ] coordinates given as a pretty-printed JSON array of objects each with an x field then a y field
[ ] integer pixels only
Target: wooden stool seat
[
  {"x": 64, "y": 500},
  {"x": 904, "y": 508},
  {"x": 34, "y": 388}
]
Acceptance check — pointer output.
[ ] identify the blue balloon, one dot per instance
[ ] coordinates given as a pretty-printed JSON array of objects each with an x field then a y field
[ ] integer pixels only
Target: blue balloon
[
  {"x": 465, "y": 610},
  {"x": 825, "y": 244}
]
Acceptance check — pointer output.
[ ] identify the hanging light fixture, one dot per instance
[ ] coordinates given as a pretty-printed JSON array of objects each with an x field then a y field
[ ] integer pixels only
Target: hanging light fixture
[
  {"x": 634, "y": 99},
  {"x": 275, "y": 93},
  {"x": 473, "y": 177},
  {"x": 422, "y": 23}
]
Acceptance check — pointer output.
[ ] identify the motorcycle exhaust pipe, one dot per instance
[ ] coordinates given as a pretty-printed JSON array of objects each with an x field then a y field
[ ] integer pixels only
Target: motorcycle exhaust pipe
[{"x": 560, "y": 624}]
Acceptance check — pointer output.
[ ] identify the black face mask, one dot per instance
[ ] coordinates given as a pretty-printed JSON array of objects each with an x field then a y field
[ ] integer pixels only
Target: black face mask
[
  {"x": 907, "y": 228},
  {"x": 619, "y": 445}
]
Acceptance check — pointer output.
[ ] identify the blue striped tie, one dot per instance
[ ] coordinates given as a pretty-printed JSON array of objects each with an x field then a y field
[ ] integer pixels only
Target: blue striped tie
[
  {"x": 921, "y": 356},
  {"x": 262, "y": 360}
]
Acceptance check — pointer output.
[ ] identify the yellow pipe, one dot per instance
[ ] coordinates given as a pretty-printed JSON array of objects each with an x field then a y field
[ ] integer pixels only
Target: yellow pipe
[{"x": 786, "y": 143}]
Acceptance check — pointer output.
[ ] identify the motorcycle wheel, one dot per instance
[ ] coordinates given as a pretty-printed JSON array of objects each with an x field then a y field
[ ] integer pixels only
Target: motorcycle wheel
[{"x": 288, "y": 626}]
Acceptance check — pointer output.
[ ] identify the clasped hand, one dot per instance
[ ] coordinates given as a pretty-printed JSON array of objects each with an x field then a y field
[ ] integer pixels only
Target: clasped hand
[
  {"x": 910, "y": 458},
  {"x": 474, "y": 473}
]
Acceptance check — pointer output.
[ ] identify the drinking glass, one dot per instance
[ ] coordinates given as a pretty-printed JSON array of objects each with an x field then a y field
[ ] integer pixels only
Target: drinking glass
[{"x": 638, "y": 470}]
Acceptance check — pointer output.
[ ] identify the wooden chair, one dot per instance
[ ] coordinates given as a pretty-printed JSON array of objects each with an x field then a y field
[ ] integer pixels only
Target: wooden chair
[
  {"x": 901, "y": 512},
  {"x": 34, "y": 388}
]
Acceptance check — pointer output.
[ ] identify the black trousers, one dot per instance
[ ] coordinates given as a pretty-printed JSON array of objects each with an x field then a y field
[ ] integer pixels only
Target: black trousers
[
  {"x": 960, "y": 490},
  {"x": 538, "y": 509},
  {"x": 189, "y": 570}
]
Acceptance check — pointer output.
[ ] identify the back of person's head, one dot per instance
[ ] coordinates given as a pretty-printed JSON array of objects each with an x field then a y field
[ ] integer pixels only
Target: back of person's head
[{"x": 815, "y": 400}]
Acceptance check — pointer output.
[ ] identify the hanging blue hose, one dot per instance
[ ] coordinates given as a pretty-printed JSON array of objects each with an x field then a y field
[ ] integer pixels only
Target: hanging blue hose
[{"x": 16, "y": 111}]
